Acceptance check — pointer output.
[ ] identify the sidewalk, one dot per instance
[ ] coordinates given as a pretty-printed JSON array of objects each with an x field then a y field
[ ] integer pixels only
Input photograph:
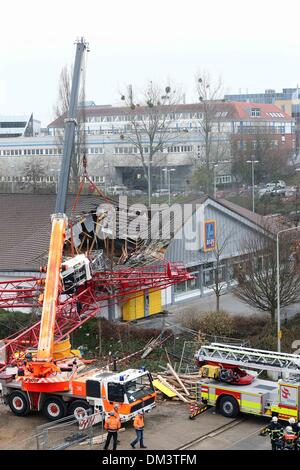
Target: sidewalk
[{"x": 228, "y": 302}]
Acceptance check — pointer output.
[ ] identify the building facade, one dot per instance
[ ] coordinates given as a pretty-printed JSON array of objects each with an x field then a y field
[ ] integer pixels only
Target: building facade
[
  {"x": 19, "y": 126},
  {"x": 114, "y": 159}
]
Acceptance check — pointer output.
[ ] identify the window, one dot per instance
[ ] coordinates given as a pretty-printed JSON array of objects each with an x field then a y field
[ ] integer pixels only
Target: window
[
  {"x": 255, "y": 112},
  {"x": 115, "y": 392},
  {"x": 188, "y": 286}
]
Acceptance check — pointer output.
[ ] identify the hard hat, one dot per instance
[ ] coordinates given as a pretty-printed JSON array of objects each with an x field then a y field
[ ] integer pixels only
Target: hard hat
[
  {"x": 289, "y": 429},
  {"x": 292, "y": 421},
  {"x": 274, "y": 419},
  {"x": 116, "y": 406}
]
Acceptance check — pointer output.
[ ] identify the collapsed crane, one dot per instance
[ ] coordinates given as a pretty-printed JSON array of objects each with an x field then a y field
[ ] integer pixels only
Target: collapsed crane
[{"x": 34, "y": 368}]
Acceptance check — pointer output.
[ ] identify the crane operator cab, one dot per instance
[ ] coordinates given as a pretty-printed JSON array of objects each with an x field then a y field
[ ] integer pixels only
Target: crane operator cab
[{"x": 75, "y": 272}]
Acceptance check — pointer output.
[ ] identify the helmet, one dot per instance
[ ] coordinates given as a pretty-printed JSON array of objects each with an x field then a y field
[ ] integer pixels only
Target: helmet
[
  {"x": 292, "y": 421},
  {"x": 111, "y": 413},
  {"x": 289, "y": 429},
  {"x": 275, "y": 419},
  {"x": 116, "y": 406}
]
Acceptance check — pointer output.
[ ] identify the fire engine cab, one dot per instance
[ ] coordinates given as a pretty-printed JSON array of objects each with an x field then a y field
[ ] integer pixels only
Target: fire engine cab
[{"x": 230, "y": 382}]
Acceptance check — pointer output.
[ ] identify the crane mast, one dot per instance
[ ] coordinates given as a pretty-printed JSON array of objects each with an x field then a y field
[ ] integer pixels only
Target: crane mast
[{"x": 43, "y": 363}]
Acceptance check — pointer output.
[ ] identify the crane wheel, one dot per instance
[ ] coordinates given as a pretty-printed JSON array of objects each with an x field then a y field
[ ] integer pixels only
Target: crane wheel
[
  {"x": 19, "y": 403},
  {"x": 228, "y": 406},
  {"x": 54, "y": 408},
  {"x": 79, "y": 408}
]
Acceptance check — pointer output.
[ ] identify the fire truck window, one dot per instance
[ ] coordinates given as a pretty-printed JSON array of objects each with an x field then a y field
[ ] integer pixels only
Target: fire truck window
[{"x": 115, "y": 392}]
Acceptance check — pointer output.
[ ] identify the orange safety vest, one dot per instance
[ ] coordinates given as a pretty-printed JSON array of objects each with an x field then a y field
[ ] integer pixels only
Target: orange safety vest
[
  {"x": 138, "y": 422},
  {"x": 112, "y": 423}
]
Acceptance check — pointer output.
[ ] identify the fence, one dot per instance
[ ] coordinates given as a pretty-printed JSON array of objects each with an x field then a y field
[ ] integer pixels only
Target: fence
[{"x": 65, "y": 433}]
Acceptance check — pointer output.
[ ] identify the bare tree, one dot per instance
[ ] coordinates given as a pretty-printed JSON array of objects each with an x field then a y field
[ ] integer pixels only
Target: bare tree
[
  {"x": 219, "y": 285},
  {"x": 60, "y": 111},
  {"x": 212, "y": 127},
  {"x": 257, "y": 282},
  {"x": 152, "y": 128},
  {"x": 34, "y": 173}
]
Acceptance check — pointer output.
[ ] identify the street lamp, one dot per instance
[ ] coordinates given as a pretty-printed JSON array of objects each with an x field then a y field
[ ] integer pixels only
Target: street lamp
[
  {"x": 253, "y": 199},
  {"x": 215, "y": 182},
  {"x": 278, "y": 285},
  {"x": 168, "y": 170}
]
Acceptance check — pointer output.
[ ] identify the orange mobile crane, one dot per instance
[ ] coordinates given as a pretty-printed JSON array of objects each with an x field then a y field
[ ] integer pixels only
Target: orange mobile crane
[{"x": 32, "y": 378}]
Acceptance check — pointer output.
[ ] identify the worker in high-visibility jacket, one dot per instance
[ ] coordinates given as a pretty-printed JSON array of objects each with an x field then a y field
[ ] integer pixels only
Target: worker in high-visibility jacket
[
  {"x": 139, "y": 425},
  {"x": 117, "y": 415},
  {"x": 112, "y": 424}
]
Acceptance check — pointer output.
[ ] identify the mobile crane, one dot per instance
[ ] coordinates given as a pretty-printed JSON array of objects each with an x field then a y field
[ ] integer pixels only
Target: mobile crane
[
  {"x": 227, "y": 383},
  {"x": 36, "y": 373}
]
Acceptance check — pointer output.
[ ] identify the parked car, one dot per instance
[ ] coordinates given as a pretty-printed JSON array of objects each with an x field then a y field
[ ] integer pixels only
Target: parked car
[
  {"x": 117, "y": 190},
  {"x": 160, "y": 193}
]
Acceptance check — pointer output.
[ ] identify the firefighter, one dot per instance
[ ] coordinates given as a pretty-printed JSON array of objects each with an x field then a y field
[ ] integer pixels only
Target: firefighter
[
  {"x": 139, "y": 424},
  {"x": 293, "y": 424},
  {"x": 289, "y": 438},
  {"x": 112, "y": 424},
  {"x": 275, "y": 431}
]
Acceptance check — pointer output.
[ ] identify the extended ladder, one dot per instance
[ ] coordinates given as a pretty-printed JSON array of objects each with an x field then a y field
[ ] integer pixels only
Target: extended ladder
[{"x": 248, "y": 357}]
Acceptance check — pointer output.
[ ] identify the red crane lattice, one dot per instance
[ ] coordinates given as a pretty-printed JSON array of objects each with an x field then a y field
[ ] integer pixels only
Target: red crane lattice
[{"x": 75, "y": 309}]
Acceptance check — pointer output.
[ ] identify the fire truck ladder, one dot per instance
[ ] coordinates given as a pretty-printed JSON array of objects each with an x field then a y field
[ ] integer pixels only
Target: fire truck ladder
[{"x": 248, "y": 357}]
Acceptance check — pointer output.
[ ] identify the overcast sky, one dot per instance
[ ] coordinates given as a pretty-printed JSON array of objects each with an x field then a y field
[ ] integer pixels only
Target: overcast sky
[{"x": 253, "y": 45}]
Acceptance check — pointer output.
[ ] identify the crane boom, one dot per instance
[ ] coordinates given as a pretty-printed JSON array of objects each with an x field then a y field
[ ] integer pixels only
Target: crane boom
[{"x": 59, "y": 223}]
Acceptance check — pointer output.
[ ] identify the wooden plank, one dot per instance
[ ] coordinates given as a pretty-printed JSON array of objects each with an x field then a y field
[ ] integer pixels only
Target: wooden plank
[
  {"x": 178, "y": 379},
  {"x": 172, "y": 388}
]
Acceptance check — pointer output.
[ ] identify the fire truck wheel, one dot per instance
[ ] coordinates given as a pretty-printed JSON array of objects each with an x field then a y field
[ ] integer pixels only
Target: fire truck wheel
[
  {"x": 19, "y": 403},
  {"x": 79, "y": 408},
  {"x": 229, "y": 407},
  {"x": 54, "y": 408}
]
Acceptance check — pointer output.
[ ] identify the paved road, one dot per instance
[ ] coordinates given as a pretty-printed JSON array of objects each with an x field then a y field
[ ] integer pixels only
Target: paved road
[{"x": 243, "y": 436}]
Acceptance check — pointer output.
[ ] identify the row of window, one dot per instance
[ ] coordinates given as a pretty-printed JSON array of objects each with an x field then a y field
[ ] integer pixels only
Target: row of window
[
  {"x": 42, "y": 179},
  {"x": 254, "y": 144},
  {"x": 180, "y": 148},
  {"x": 14, "y": 153},
  {"x": 129, "y": 150},
  {"x": 55, "y": 151},
  {"x": 223, "y": 179},
  {"x": 134, "y": 150},
  {"x": 10, "y": 125},
  {"x": 142, "y": 117},
  {"x": 276, "y": 115}
]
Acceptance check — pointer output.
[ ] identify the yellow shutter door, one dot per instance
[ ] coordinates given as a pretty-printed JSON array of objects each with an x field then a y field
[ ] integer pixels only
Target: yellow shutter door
[
  {"x": 134, "y": 308},
  {"x": 154, "y": 302}
]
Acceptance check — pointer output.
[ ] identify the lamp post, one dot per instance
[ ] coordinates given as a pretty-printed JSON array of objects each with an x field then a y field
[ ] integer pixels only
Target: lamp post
[
  {"x": 278, "y": 285},
  {"x": 253, "y": 198},
  {"x": 215, "y": 182},
  {"x": 168, "y": 170}
]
